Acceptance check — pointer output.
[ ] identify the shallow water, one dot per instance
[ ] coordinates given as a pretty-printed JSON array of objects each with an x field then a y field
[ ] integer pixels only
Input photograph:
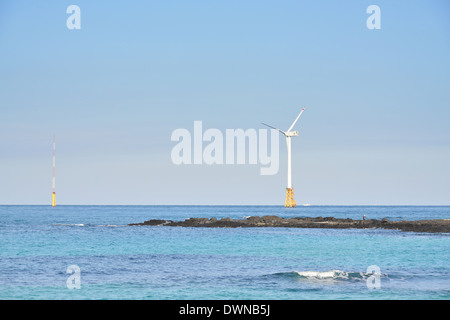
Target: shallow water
[{"x": 116, "y": 261}]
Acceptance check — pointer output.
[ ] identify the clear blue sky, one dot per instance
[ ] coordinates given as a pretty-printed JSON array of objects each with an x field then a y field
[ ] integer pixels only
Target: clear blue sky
[{"x": 376, "y": 129}]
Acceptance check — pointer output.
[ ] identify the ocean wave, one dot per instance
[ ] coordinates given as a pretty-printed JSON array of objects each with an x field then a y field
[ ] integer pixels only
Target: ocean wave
[
  {"x": 87, "y": 225},
  {"x": 326, "y": 275}
]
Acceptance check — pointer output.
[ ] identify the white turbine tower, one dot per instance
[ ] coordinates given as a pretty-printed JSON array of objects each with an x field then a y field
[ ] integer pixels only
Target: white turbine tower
[{"x": 289, "y": 202}]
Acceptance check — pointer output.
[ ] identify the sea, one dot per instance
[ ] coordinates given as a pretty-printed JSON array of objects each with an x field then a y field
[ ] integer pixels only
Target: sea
[{"x": 90, "y": 252}]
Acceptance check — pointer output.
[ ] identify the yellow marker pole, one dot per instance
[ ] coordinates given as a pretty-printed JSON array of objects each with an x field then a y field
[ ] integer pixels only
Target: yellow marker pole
[
  {"x": 290, "y": 202},
  {"x": 53, "y": 199}
]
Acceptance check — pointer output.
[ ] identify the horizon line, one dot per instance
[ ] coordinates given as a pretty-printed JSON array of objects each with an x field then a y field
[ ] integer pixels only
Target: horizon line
[{"x": 241, "y": 205}]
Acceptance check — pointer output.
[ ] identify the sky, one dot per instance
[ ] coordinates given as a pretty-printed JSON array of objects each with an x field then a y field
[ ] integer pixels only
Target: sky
[{"x": 375, "y": 130}]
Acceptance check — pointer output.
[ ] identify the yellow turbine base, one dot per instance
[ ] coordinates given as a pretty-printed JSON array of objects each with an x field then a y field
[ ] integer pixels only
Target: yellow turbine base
[
  {"x": 290, "y": 202},
  {"x": 53, "y": 199}
]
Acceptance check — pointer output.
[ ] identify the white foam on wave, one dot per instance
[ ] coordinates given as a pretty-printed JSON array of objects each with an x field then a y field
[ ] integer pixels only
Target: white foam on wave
[
  {"x": 332, "y": 274},
  {"x": 319, "y": 274},
  {"x": 87, "y": 225}
]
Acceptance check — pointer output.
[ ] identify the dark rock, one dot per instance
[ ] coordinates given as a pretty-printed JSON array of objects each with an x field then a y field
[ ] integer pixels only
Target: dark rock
[
  {"x": 153, "y": 222},
  {"x": 441, "y": 225}
]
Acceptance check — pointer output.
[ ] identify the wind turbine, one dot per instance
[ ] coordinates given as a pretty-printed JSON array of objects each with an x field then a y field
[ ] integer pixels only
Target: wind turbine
[{"x": 289, "y": 202}]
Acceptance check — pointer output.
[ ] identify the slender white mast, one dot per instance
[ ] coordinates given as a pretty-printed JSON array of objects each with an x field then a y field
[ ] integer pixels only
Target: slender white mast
[
  {"x": 289, "y": 166},
  {"x": 288, "y": 135},
  {"x": 54, "y": 169},
  {"x": 54, "y": 164}
]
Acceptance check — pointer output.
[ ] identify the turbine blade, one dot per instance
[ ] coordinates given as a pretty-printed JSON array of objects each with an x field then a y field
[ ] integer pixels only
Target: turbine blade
[
  {"x": 274, "y": 128},
  {"x": 296, "y": 119}
]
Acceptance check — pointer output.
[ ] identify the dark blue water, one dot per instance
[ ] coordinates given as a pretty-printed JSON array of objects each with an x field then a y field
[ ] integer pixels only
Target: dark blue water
[{"x": 116, "y": 261}]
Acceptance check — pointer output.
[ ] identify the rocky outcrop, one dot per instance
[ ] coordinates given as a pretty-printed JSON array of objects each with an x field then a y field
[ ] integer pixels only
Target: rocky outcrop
[{"x": 439, "y": 225}]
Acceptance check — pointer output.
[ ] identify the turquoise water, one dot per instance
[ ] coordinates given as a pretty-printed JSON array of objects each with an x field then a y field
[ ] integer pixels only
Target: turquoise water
[{"x": 116, "y": 261}]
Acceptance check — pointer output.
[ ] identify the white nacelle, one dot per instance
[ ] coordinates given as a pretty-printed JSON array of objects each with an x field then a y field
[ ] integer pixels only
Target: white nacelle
[{"x": 292, "y": 133}]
